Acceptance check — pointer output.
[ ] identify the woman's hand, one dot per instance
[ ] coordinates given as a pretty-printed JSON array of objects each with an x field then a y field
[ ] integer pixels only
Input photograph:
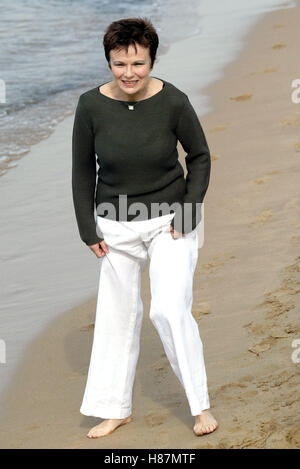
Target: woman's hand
[
  {"x": 100, "y": 249},
  {"x": 175, "y": 234}
]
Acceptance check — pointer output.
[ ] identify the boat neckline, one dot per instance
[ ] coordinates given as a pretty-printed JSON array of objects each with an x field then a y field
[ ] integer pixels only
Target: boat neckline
[{"x": 131, "y": 102}]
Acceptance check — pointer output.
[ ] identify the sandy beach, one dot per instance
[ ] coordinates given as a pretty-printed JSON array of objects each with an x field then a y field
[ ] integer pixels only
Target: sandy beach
[{"x": 246, "y": 286}]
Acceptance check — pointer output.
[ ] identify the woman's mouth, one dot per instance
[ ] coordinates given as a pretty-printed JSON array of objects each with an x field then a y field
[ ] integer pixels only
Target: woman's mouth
[{"x": 129, "y": 83}]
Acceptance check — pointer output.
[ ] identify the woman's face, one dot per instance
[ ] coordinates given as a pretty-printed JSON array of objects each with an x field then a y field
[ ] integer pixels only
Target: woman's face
[{"x": 131, "y": 67}]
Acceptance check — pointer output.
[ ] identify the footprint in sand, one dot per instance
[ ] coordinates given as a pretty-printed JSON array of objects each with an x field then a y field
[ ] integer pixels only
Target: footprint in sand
[
  {"x": 171, "y": 400},
  {"x": 297, "y": 146},
  {"x": 201, "y": 309},
  {"x": 276, "y": 307},
  {"x": 204, "y": 446},
  {"x": 270, "y": 70},
  {"x": 277, "y": 26},
  {"x": 274, "y": 171},
  {"x": 262, "y": 346},
  {"x": 159, "y": 364},
  {"x": 272, "y": 330},
  {"x": 277, "y": 441},
  {"x": 214, "y": 263},
  {"x": 242, "y": 97},
  {"x": 153, "y": 420},
  {"x": 276, "y": 380},
  {"x": 75, "y": 374},
  {"x": 229, "y": 386},
  {"x": 266, "y": 70},
  {"x": 89, "y": 327},
  {"x": 248, "y": 379},
  {"x": 279, "y": 46},
  {"x": 263, "y": 217},
  {"x": 161, "y": 368},
  {"x": 250, "y": 394},
  {"x": 265, "y": 178},
  {"x": 261, "y": 180},
  {"x": 218, "y": 129},
  {"x": 293, "y": 437},
  {"x": 33, "y": 427},
  {"x": 258, "y": 328},
  {"x": 290, "y": 121}
]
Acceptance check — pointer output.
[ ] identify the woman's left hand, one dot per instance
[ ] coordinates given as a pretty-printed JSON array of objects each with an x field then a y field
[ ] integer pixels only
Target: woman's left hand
[{"x": 175, "y": 234}]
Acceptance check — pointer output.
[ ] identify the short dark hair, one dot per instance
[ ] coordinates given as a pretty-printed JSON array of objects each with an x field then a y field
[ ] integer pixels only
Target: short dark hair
[{"x": 120, "y": 34}]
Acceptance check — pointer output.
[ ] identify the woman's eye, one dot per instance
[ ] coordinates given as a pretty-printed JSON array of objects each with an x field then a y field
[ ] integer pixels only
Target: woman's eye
[{"x": 121, "y": 65}]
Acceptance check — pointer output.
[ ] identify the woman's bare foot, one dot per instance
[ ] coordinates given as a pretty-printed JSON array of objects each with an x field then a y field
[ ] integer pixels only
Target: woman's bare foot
[
  {"x": 205, "y": 423},
  {"x": 107, "y": 427}
]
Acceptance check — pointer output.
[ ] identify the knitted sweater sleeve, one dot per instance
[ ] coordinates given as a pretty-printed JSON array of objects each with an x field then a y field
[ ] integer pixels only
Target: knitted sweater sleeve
[
  {"x": 191, "y": 136},
  {"x": 84, "y": 175}
]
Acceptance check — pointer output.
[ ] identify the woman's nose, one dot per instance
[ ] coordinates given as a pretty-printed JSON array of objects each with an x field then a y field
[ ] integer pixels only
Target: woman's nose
[{"x": 128, "y": 73}]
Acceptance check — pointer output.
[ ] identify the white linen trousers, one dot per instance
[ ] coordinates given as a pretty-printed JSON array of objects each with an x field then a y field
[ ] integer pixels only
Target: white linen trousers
[{"x": 119, "y": 312}]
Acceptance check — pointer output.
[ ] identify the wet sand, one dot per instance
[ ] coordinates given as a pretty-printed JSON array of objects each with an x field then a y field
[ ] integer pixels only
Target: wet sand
[{"x": 246, "y": 287}]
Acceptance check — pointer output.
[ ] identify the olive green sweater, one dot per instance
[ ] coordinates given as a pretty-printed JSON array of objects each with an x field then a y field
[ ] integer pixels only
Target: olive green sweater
[{"x": 135, "y": 144}]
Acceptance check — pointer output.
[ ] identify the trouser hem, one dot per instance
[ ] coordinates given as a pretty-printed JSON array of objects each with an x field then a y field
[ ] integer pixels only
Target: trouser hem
[
  {"x": 106, "y": 412},
  {"x": 197, "y": 410}
]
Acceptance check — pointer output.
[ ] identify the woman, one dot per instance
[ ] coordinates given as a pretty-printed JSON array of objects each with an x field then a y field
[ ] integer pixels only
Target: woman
[{"x": 132, "y": 124}]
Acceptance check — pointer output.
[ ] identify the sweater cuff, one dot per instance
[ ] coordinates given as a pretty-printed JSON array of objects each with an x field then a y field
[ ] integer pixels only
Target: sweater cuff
[{"x": 90, "y": 242}]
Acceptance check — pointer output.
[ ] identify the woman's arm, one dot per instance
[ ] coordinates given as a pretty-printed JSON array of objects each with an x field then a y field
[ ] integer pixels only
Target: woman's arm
[
  {"x": 84, "y": 175},
  {"x": 191, "y": 136}
]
